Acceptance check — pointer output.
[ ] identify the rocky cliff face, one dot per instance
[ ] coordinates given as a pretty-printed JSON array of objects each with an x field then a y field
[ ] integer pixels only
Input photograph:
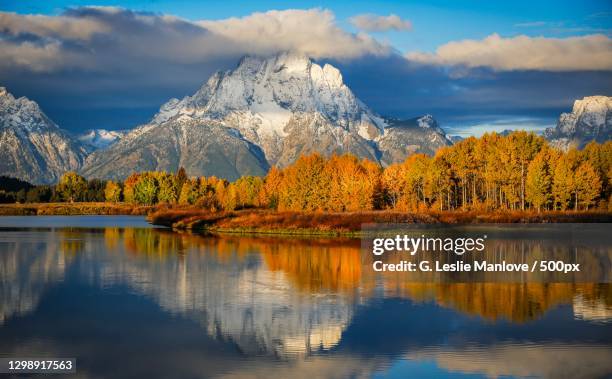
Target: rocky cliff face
[
  {"x": 264, "y": 112},
  {"x": 590, "y": 119},
  {"x": 32, "y": 147}
]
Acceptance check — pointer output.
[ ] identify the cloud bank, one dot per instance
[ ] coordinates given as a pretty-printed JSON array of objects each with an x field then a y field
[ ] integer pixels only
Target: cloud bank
[
  {"x": 97, "y": 37},
  {"x": 591, "y": 52},
  {"x": 93, "y": 67},
  {"x": 376, "y": 23}
]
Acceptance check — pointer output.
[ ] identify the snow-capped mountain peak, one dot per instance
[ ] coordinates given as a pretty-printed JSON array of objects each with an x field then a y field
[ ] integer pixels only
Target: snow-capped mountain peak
[
  {"x": 590, "y": 119},
  {"x": 266, "y": 111},
  {"x": 101, "y": 138}
]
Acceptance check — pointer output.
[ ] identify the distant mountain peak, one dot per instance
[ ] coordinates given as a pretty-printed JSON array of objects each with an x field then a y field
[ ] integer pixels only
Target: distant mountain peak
[
  {"x": 590, "y": 120},
  {"x": 32, "y": 147}
]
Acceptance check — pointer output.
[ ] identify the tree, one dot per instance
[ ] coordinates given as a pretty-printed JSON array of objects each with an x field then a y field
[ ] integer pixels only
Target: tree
[
  {"x": 271, "y": 188},
  {"x": 146, "y": 189},
  {"x": 539, "y": 181},
  {"x": 128, "y": 187},
  {"x": 95, "y": 190},
  {"x": 526, "y": 145},
  {"x": 563, "y": 183},
  {"x": 305, "y": 186},
  {"x": 189, "y": 192},
  {"x": 168, "y": 188},
  {"x": 112, "y": 192},
  {"x": 72, "y": 187},
  {"x": 247, "y": 191},
  {"x": 39, "y": 194},
  {"x": 587, "y": 185},
  {"x": 394, "y": 183},
  {"x": 230, "y": 200}
]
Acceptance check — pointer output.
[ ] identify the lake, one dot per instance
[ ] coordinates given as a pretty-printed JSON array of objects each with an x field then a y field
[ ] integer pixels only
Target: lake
[{"x": 131, "y": 301}]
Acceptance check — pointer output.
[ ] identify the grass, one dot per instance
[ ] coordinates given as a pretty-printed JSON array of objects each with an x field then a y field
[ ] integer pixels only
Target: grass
[
  {"x": 73, "y": 209},
  {"x": 348, "y": 223}
]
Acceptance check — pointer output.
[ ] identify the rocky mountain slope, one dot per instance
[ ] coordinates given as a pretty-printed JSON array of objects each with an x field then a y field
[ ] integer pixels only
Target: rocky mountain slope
[
  {"x": 264, "y": 112},
  {"x": 202, "y": 149},
  {"x": 32, "y": 147},
  {"x": 406, "y": 137},
  {"x": 590, "y": 119}
]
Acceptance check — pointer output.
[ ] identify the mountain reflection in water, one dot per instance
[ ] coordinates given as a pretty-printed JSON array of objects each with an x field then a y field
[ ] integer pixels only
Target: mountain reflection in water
[{"x": 181, "y": 305}]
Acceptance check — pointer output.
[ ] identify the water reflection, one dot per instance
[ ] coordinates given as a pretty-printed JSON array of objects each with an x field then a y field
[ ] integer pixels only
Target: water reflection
[{"x": 282, "y": 307}]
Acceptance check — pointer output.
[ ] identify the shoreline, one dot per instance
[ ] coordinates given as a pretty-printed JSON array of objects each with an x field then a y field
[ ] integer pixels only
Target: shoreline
[
  {"x": 276, "y": 223},
  {"x": 266, "y": 222},
  {"x": 75, "y": 209}
]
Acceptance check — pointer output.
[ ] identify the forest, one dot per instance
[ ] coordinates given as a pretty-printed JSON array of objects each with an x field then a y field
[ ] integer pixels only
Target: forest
[{"x": 520, "y": 171}]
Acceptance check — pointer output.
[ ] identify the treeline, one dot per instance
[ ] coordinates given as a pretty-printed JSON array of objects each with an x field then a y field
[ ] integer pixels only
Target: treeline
[
  {"x": 72, "y": 187},
  {"x": 493, "y": 172}
]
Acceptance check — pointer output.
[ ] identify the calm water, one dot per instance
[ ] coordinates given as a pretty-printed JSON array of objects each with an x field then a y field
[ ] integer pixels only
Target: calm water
[{"x": 139, "y": 302}]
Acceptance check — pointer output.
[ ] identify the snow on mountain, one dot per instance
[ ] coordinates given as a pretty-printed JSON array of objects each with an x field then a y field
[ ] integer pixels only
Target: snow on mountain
[
  {"x": 100, "y": 138},
  {"x": 590, "y": 119},
  {"x": 285, "y": 105},
  {"x": 32, "y": 147}
]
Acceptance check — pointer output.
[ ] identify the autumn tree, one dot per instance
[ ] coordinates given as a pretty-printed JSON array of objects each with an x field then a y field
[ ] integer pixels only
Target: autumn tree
[
  {"x": 269, "y": 194},
  {"x": 305, "y": 186},
  {"x": 247, "y": 190},
  {"x": 168, "y": 188},
  {"x": 587, "y": 186},
  {"x": 539, "y": 181},
  {"x": 563, "y": 182},
  {"x": 189, "y": 192},
  {"x": 112, "y": 192},
  {"x": 128, "y": 187},
  {"x": 146, "y": 189},
  {"x": 72, "y": 186}
]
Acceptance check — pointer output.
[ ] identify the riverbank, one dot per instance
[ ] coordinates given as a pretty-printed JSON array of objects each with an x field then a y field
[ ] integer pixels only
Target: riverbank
[
  {"x": 349, "y": 223},
  {"x": 74, "y": 209}
]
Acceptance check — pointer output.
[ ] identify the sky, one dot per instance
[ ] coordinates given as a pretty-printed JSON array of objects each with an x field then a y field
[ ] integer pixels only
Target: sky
[{"x": 474, "y": 65}]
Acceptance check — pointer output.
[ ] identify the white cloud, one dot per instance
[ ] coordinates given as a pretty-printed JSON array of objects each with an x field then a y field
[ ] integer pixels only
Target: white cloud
[
  {"x": 312, "y": 32},
  {"x": 591, "y": 52},
  {"x": 50, "y": 26},
  {"x": 103, "y": 38},
  {"x": 375, "y": 23}
]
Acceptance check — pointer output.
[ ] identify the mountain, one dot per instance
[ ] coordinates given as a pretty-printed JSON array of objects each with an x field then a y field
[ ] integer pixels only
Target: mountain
[
  {"x": 405, "y": 137},
  {"x": 266, "y": 111},
  {"x": 202, "y": 149},
  {"x": 100, "y": 138},
  {"x": 590, "y": 119},
  {"x": 32, "y": 147}
]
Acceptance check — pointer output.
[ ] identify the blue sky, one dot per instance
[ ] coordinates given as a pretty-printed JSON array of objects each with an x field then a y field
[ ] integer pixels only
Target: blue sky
[{"x": 95, "y": 80}]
